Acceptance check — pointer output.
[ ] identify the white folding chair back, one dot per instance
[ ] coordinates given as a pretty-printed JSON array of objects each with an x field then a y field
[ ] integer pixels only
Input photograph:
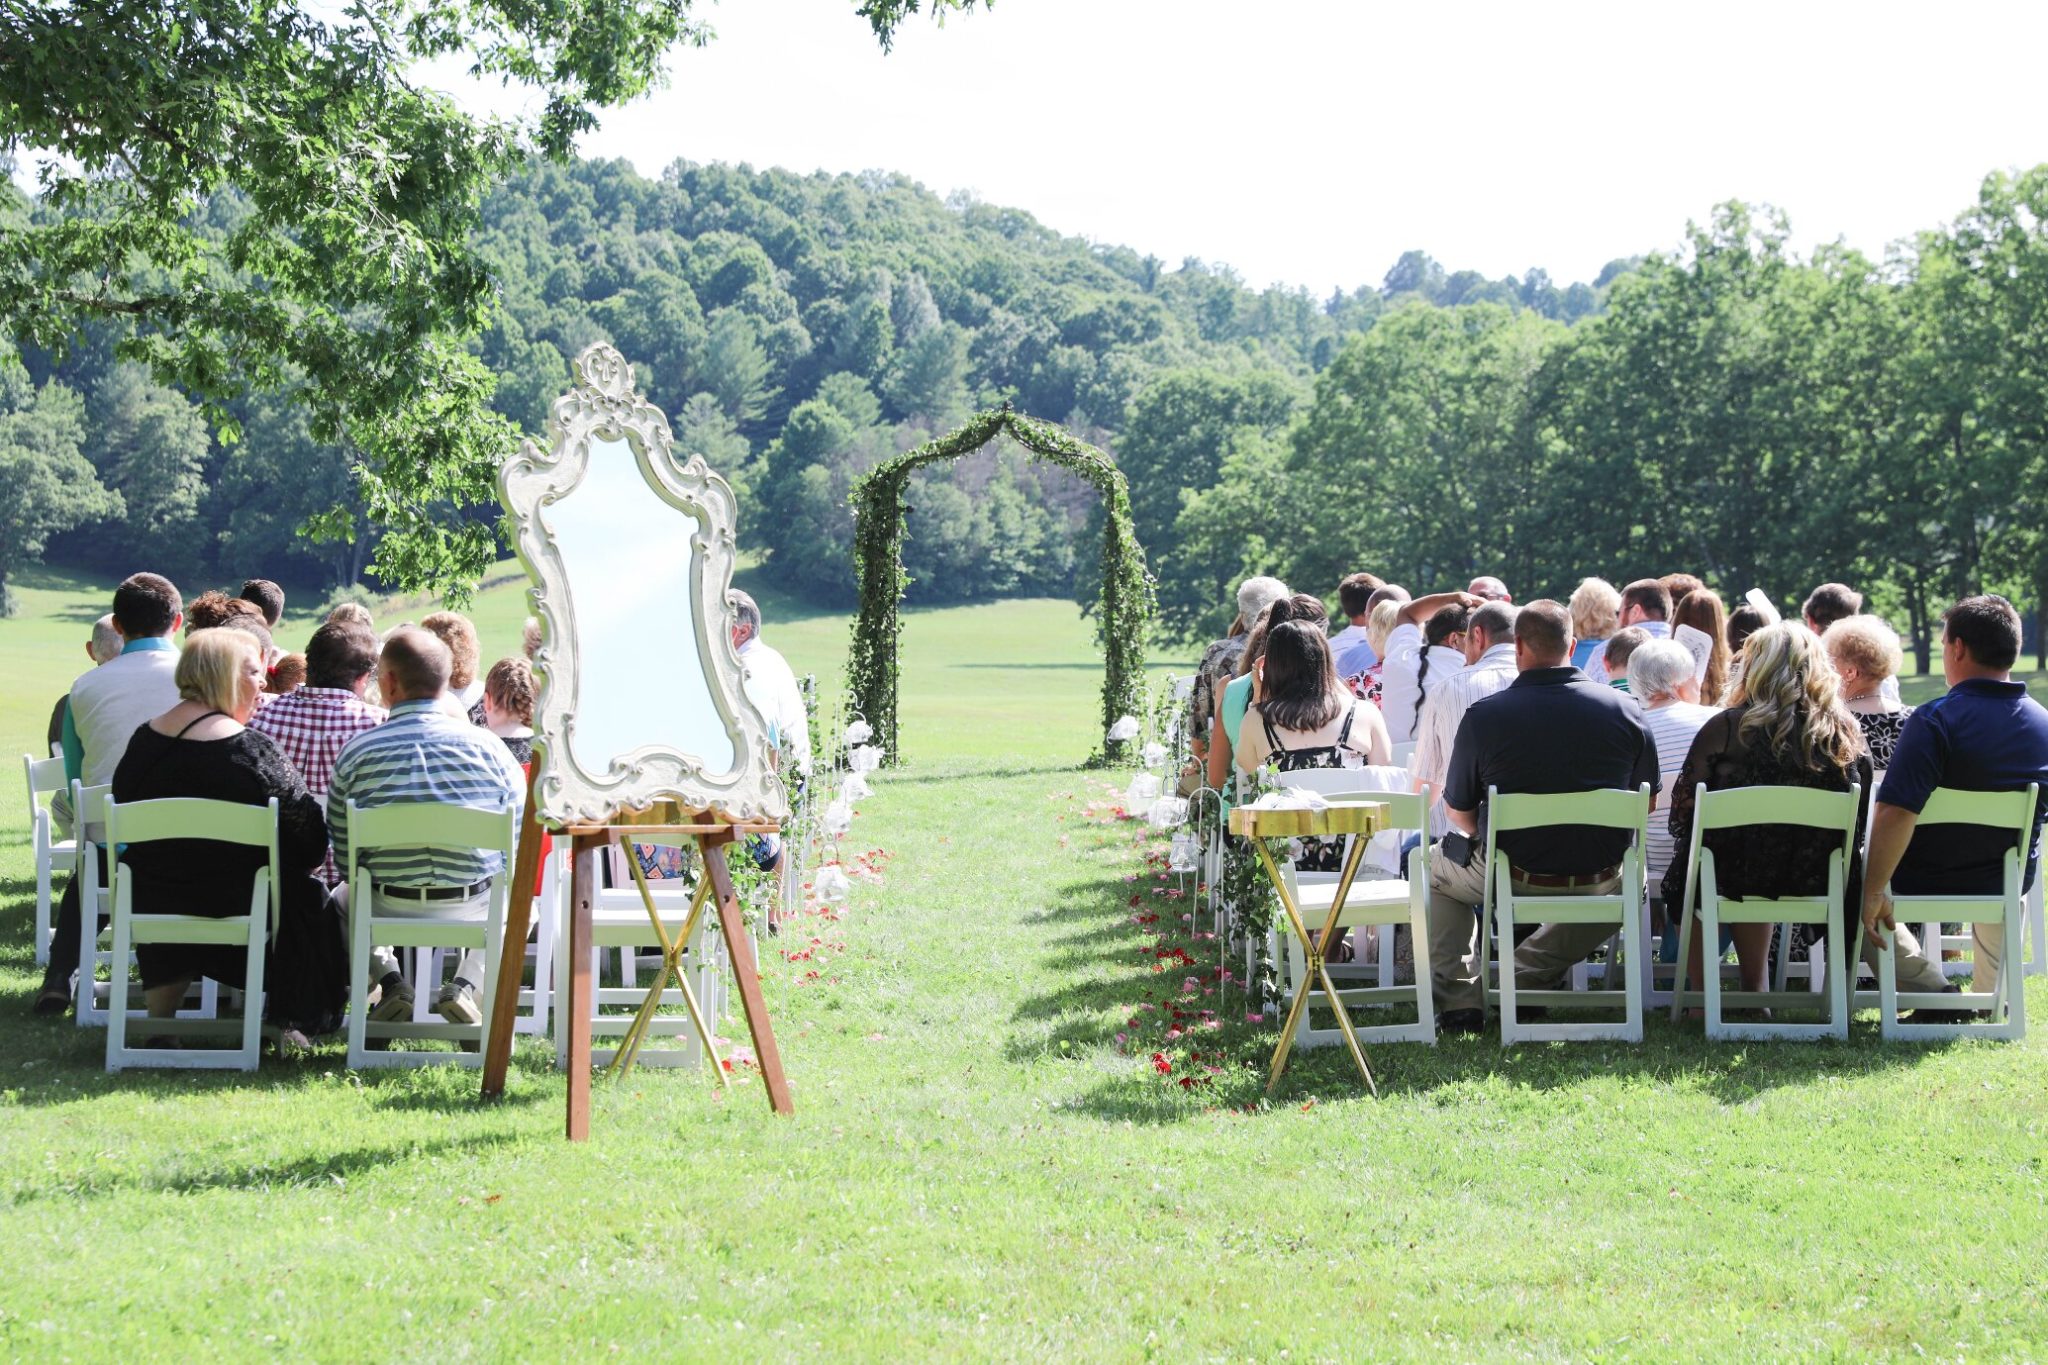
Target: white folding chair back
[
  {"x": 2035, "y": 960},
  {"x": 618, "y": 920},
  {"x": 409, "y": 825},
  {"x": 50, "y": 847},
  {"x": 1628, "y": 811},
  {"x": 1379, "y": 903},
  {"x": 1742, "y": 807},
  {"x": 1404, "y": 754},
  {"x": 2006, "y": 1001},
  {"x": 223, "y": 822}
]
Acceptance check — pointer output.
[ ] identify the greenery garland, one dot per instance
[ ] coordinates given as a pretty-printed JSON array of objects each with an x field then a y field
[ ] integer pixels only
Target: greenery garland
[{"x": 1128, "y": 601}]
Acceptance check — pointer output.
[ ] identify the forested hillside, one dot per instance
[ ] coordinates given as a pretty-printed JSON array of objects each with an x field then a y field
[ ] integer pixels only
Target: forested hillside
[{"x": 797, "y": 329}]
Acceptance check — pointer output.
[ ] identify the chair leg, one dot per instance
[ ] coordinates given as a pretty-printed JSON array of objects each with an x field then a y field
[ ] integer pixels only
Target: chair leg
[
  {"x": 117, "y": 993},
  {"x": 252, "y": 991}
]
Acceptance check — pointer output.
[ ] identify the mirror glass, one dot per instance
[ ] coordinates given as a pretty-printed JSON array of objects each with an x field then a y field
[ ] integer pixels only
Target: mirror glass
[{"x": 629, "y": 561}]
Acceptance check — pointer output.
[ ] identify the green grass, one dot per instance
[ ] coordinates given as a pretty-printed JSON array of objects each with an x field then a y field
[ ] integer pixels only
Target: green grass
[{"x": 978, "y": 1169}]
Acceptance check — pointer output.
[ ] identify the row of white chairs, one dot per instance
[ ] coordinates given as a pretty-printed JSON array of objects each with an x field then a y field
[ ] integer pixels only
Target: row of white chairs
[
  {"x": 621, "y": 925},
  {"x": 1389, "y": 896}
]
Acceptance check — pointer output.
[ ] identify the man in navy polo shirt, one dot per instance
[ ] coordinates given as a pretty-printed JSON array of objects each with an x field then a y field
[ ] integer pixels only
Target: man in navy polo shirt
[
  {"x": 1985, "y": 735},
  {"x": 1550, "y": 730}
]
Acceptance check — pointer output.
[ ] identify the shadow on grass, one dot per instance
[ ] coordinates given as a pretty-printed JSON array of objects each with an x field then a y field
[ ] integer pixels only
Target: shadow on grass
[
  {"x": 1112, "y": 982},
  {"x": 909, "y": 776}
]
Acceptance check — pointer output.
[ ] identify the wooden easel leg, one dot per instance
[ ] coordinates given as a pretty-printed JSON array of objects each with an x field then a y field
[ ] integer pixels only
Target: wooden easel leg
[
  {"x": 746, "y": 972},
  {"x": 582, "y": 896},
  {"x": 512, "y": 958}
]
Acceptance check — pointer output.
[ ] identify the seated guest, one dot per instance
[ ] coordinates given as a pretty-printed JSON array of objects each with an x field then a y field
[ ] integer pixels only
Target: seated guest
[
  {"x": 1865, "y": 653},
  {"x": 214, "y": 608},
  {"x": 102, "y": 646},
  {"x": 1596, "y": 612},
  {"x": 1367, "y": 686},
  {"x": 1829, "y": 603},
  {"x": 1787, "y": 728},
  {"x": 1305, "y": 718},
  {"x": 1646, "y": 606},
  {"x": 202, "y": 747},
  {"x": 1220, "y": 660},
  {"x": 1549, "y": 731},
  {"x": 352, "y": 613},
  {"x": 508, "y": 706},
  {"x": 1702, "y": 610},
  {"x": 423, "y": 754},
  {"x": 1489, "y": 667},
  {"x": 1660, "y": 678},
  {"x": 287, "y": 675},
  {"x": 1415, "y": 650},
  {"x": 1352, "y": 647},
  {"x": 772, "y": 686},
  {"x": 1489, "y": 590},
  {"x": 1680, "y": 585},
  {"x": 1237, "y": 696},
  {"x": 465, "y": 688},
  {"x": 1621, "y": 647},
  {"x": 1985, "y": 734},
  {"x": 107, "y": 706},
  {"x": 314, "y": 723},
  {"x": 1743, "y": 622},
  {"x": 268, "y": 597}
]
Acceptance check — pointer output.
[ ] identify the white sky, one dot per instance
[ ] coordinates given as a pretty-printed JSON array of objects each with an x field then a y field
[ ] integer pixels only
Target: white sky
[{"x": 1312, "y": 141}]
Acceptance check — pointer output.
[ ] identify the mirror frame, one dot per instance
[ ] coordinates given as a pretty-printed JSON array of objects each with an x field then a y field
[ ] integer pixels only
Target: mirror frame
[{"x": 604, "y": 404}]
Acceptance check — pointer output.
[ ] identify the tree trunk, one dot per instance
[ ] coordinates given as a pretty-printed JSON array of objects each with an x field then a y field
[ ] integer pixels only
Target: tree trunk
[{"x": 1917, "y": 624}]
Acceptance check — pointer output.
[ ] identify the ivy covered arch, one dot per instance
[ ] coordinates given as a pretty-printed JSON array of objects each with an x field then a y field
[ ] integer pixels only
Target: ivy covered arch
[{"x": 1122, "y": 620}]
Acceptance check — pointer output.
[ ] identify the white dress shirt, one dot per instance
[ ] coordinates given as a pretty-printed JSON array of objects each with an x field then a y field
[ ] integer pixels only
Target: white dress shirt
[
  {"x": 772, "y": 687},
  {"x": 1486, "y": 675}
]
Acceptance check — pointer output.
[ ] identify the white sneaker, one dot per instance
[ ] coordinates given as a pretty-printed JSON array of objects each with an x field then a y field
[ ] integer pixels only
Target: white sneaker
[
  {"x": 394, "y": 1001},
  {"x": 457, "y": 1003}
]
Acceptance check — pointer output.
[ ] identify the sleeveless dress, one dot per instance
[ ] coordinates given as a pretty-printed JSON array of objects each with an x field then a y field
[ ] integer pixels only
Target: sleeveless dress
[{"x": 1317, "y": 855}]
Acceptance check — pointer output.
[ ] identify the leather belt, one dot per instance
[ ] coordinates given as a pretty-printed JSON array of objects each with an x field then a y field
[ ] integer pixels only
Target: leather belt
[
  {"x": 1563, "y": 879},
  {"x": 434, "y": 893}
]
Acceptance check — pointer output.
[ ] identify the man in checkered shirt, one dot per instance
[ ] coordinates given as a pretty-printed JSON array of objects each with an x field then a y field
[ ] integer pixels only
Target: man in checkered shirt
[{"x": 313, "y": 723}]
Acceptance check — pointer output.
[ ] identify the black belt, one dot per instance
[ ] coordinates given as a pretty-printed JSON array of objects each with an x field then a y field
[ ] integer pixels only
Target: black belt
[
  {"x": 434, "y": 893},
  {"x": 1563, "y": 879}
]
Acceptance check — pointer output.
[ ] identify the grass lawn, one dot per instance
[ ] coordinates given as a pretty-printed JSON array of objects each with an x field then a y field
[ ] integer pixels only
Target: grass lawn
[{"x": 978, "y": 1166}]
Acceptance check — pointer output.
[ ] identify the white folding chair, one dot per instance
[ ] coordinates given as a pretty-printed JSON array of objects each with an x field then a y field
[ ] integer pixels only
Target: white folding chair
[
  {"x": 221, "y": 822},
  {"x": 618, "y": 920},
  {"x": 46, "y": 776},
  {"x": 1404, "y": 754},
  {"x": 2035, "y": 961},
  {"x": 413, "y": 825},
  {"x": 1628, "y": 811},
  {"x": 2006, "y": 1001},
  {"x": 1375, "y": 902},
  {"x": 1739, "y": 807}
]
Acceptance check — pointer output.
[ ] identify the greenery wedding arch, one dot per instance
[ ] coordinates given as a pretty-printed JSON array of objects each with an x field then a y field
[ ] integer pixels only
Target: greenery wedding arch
[{"x": 1122, "y": 619}]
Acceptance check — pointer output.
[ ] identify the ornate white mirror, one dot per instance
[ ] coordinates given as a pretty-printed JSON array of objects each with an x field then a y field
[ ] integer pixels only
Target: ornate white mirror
[{"x": 631, "y": 554}]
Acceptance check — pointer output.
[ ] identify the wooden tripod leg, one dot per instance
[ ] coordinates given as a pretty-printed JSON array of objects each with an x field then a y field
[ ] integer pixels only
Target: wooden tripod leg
[
  {"x": 512, "y": 957},
  {"x": 582, "y": 897},
  {"x": 740, "y": 952}
]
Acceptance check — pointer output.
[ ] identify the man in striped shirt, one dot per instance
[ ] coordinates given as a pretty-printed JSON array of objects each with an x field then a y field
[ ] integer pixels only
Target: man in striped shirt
[
  {"x": 424, "y": 754},
  {"x": 312, "y": 724}
]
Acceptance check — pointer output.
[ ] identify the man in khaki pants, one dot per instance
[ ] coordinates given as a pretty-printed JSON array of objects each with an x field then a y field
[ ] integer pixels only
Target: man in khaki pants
[{"x": 1551, "y": 730}]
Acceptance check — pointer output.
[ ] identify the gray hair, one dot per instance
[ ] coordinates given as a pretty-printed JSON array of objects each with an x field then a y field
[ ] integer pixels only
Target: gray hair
[
  {"x": 1254, "y": 595},
  {"x": 1497, "y": 619},
  {"x": 106, "y": 639},
  {"x": 745, "y": 611},
  {"x": 1658, "y": 669}
]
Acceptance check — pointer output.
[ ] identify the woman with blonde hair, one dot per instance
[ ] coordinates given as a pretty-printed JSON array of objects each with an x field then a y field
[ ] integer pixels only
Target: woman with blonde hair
[
  {"x": 1596, "y": 615},
  {"x": 1787, "y": 727},
  {"x": 1385, "y": 615},
  {"x": 202, "y": 747},
  {"x": 1702, "y": 610},
  {"x": 1865, "y": 652}
]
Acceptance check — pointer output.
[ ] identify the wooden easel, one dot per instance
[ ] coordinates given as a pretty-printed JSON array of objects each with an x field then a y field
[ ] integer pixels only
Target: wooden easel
[{"x": 713, "y": 834}]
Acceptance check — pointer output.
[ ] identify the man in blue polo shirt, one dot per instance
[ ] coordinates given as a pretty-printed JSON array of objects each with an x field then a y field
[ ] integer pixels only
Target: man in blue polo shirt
[{"x": 1985, "y": 735}]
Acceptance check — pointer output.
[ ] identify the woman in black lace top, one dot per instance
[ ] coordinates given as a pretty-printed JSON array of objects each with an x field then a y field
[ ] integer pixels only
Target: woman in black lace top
[
  {"x": 1788, "y": 728},
  {"x": 1865, "y": 653},
  {"x": 201, "y": 748}
]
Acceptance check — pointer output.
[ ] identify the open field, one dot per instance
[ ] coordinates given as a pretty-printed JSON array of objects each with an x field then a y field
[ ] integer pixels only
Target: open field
[{"x": 978, "y": 1166}]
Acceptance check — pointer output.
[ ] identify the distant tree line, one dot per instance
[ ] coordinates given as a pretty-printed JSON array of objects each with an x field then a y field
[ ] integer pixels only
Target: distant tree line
[
  {"x": 1736, "y": 410},
  {"x": 797, "y": 329}
]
